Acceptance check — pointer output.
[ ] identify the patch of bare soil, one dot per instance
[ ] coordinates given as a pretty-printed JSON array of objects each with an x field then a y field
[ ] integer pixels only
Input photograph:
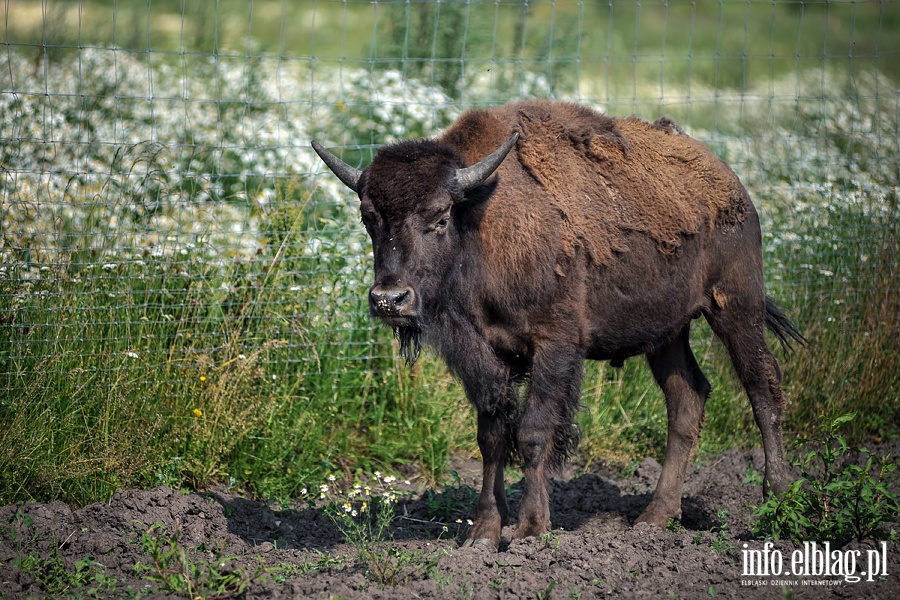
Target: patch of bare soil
[{"x": 296, "y": 552}]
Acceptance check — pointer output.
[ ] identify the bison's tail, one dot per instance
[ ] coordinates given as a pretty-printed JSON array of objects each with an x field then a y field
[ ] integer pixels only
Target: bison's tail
[{"x": 782, "y": 327}]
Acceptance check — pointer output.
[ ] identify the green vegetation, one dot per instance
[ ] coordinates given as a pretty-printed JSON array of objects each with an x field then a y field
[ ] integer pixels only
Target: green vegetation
[
  {"x": 284, "y": 571},
  {"x": 545, "y": 595},
  {"x": 455, "y": 502},
  {"x": 844, "y": 493},
  {"x": 175, "y": 572},
  {"x": 182, "y": 290},
  {"x": 85, "y": 579},
  {"x": 722, "y": 544},
  {"x": 171, "y": 566},
  {"x": 364, "y": 514}
]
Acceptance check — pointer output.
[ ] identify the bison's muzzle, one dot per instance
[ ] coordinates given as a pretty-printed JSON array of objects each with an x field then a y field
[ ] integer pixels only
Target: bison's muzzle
[{"x": 395, "y": 304}]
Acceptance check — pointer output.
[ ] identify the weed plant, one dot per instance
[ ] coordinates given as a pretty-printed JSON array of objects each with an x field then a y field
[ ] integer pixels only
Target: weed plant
[
  {"x": 175, "y": 572},
  {"x": 364, "y": 514},
  {"x": 455, "y": 501},
  {"x": 845, "y": 493},
  {"x": 85, "y": 578}
]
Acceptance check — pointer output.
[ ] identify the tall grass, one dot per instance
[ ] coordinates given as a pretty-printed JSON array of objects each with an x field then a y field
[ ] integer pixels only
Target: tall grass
[
  {"x": 182, "y": 291},
  {"x": 144, "y": 372}
]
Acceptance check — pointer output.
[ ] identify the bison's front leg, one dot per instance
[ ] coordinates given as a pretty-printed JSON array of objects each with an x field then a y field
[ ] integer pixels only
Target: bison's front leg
[
  {"x": 490, "y": 386},
  {"x": 547, "y": 432},
  {"x": 492, "y": 512}
]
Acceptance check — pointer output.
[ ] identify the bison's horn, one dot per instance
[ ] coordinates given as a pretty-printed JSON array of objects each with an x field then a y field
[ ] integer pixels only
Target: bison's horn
[
  {"x": 473, "y": 176},
  {"x": 349, "y": 175}
]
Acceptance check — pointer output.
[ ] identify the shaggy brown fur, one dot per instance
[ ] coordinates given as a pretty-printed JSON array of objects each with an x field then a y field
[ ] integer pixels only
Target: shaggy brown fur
[{"x": 604, "y": 177}]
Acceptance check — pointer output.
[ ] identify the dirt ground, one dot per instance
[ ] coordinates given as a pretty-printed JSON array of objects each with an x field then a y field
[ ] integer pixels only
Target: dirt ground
[{"x": 296, "y": 552}]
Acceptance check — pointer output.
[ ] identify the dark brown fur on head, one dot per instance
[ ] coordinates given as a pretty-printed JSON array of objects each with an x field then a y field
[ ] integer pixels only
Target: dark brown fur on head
[{"x": 406, "y": 175}]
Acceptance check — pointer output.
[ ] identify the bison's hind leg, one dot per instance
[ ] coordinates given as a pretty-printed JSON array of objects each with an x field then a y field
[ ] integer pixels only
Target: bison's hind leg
[
  {"x": 686, "y": 389},
  {"x": 741, "y": 327}
]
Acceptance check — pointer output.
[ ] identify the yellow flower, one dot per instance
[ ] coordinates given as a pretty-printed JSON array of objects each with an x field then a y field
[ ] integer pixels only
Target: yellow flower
[
  {"x": 203, "y": 378},
  {"x": 198, "y": 412}
]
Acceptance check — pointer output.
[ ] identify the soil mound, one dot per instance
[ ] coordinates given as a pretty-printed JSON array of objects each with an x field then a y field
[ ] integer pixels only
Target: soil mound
[{"x": 295, "y": 551}]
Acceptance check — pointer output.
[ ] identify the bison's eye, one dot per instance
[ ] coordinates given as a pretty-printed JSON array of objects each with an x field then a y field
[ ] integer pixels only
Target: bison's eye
[
  {"x": 370, "y": 219},
  {"x": 438, "y": 221}
]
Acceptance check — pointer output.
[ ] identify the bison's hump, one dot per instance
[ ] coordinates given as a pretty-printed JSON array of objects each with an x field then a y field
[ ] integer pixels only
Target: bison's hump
[{"x": 606, "y": 177}]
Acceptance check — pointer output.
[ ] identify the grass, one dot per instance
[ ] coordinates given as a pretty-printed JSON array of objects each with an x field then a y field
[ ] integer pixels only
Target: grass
[
  {"x": 185, "y": 305},
  {"x": 225, "y": 385}
]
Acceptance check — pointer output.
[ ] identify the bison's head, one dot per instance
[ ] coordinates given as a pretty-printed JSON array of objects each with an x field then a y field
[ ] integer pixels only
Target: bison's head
[{"x": 412, "y": 198}]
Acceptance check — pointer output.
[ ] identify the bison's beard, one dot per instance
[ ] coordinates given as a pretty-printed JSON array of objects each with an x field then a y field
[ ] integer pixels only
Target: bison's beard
[{"x": 409, "y": 337}]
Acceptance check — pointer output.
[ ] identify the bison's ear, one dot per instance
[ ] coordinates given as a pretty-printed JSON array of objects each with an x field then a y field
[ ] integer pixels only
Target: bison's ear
[
  {"x": 349, "y": 175},
  {"x": 471, "y": 177}
]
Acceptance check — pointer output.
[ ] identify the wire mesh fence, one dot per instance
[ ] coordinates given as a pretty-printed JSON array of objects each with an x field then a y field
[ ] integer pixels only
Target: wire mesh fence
[{"x": 163, "y": 218}]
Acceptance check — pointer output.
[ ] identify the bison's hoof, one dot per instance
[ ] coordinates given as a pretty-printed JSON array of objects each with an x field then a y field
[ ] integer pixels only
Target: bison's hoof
[
  {"x": 659, "y": 512},
  {"x": 654, "y": 518},
  {"x": 482, "y": 544},
  {"x": 527, "y": 530}
]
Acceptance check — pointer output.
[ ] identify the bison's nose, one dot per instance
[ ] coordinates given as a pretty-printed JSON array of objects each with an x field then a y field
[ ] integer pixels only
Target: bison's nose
[{"x": 389, "y": 301}]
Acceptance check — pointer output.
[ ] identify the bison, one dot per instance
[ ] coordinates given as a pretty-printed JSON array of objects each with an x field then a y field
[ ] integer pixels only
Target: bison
[{"x": 532, "y": 236}]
